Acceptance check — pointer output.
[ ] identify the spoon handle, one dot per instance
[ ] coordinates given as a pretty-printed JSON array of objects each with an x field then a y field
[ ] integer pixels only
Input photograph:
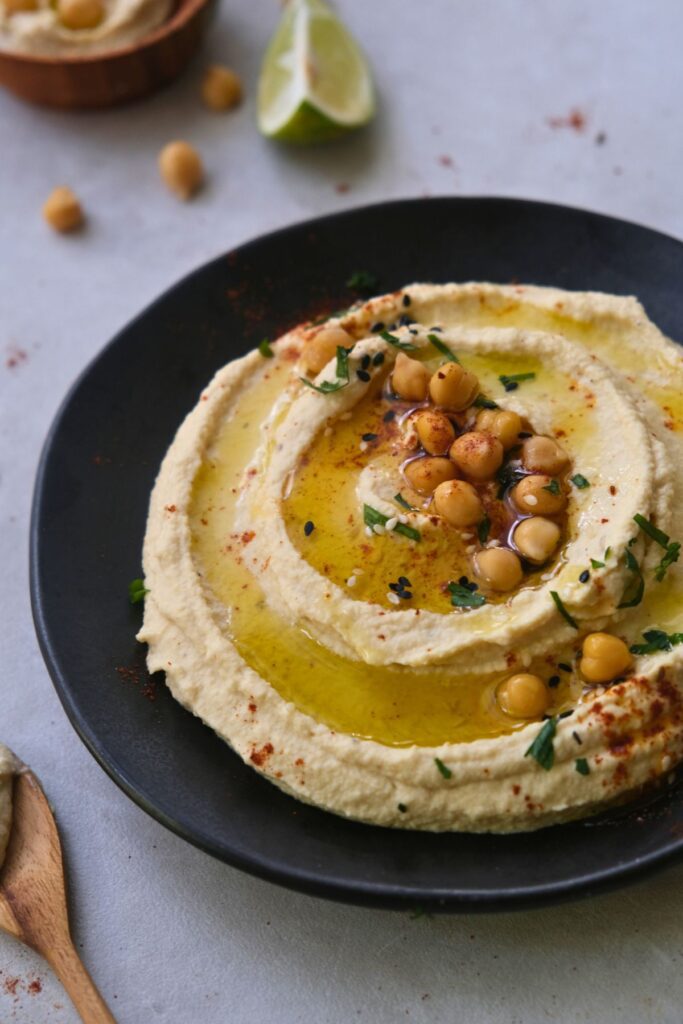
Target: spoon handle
[{"x": 70, "y": 970}]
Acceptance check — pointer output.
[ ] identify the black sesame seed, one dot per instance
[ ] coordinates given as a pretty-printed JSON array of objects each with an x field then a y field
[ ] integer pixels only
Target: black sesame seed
[
  {"x": 363, "y": 375},
  {"x": 524, "y": 434},
  {"x": 369, "y": 437},
  {"x": 413, "y": 330},
  {"x": 564, "y": 666},
  {"x": 395, "y": 587},
  {"x": 436, "y": 328},
  {"x": 405, "y": 594},
  {"x": 378, "y": 359},
  {"x": 553, "y": 681},
  {"x": 585, "y": 576},
  {"x": 392, "y": 327},
  {"x": 390, "y": 415},
  {"x": 566, "y": 714},
  {"x": 577, "y": 737},
  {"x": 472, "y": 586},
  {"x": 511, "y": 385},
  {"x": 406, "y": 300},
  {"x": 404, "y": 581},
  {"x": 365, "y": 361},
  {"x": 309, "y": 527},
  {"x": 405, "y": 321},
  {"x": 376, "y": 328},
  {"x": 463, "y": 581},
  {"x": 402, "y": 808}
]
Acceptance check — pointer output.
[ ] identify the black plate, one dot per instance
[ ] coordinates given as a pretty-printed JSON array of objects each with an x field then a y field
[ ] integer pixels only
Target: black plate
[{"x": 94, "y": 481}]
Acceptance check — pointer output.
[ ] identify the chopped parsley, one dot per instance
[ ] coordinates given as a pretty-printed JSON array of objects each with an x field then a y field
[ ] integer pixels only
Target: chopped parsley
[
  {"x": 441, "y": 347},
  {"x": 265, "y": 349},
  {"x": 371, "y": 517},
  {"x": 362, "y": 281},
  {"x": 444, "y": 770},
  {"x": 635, "y": 589},
  {"x": 647, "y": 527},
  {"x": 400, "y": 500},
  {"x": 481, "y": 402},
  {"x": 559, "y": 604},
  {"x": 484, "y": 529},
  {"x": 608, "y": 552},
  {"x": 596, "y": 564},
  {"x": 672, "y": 554},
  {"x": 512, "y": 381},
  {"x": 507, "y": 476},
  {"x": 581, "y": 765},
  {"x": 137, "y": 591},
  {"x": 463, "y": 597},
  {"x": 553, "y": 487},
  {"x": 542, "y": 749},
  {"x": 580, "y": 481},
  {"x": 656, "y": 640},
  {"x": 328, "y": 386},
  {"x": 405, "y": 346}
]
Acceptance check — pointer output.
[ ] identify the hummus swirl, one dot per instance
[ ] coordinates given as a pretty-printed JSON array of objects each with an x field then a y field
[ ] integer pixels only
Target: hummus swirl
[
  {"x": 327, "y": 650},
  {"x": 40, "y": 31}
]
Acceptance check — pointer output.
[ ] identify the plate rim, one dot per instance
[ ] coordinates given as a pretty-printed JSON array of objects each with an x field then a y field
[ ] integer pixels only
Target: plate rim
[{"x": 358, "y": 892}]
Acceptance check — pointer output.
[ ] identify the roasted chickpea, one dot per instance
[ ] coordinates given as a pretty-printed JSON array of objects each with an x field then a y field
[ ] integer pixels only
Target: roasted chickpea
[
  {"x": 477, "y": 454},
  {"x": 221, "y": 88},
  {"x": 530, "y": 495},
  {"x": 80, "y": 14},
  {"x": 523, "y": 696},
  {"x": 458, "y": 503},
  {"x": 453, "y": 387},
  {"x": 181, "y": 168},
  {"x": 604, "y": 658},
  {"x": 435, "y": 431},
  {"x": 62, "y": 210},
  {"x": 410, "y": 379},
  {"x": 543, "y": 455},
  {"x": 499, "y": 568},
  {"x": 502, "y": 423},
  {"x": 536, "y": 539},
  {"x": 425, "y": 474},
  {"x": 323, "y": 346}
]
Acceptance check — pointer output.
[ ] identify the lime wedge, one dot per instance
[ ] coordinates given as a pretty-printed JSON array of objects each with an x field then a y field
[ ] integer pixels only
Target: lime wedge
[{"x": 315, "y": 83}]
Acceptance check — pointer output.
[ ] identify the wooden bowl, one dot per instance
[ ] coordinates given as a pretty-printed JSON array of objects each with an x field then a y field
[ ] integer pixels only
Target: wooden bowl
[{"x": 110, "y": 77}]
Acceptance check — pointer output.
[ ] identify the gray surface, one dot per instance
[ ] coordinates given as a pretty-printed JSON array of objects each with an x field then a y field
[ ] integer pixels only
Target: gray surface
[{"x": 170, "y": 935}]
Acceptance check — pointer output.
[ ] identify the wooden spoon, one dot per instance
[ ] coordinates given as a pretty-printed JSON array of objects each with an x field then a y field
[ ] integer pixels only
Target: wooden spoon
[{"x": 33, "y": 896}]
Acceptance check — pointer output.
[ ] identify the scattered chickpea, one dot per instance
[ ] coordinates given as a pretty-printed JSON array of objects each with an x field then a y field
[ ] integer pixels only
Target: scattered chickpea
[
  {"x": 181, "y": 168},
  {"x": 604, "y": 658},
  {"x": 323, "y": 346},
  {"x": 536, "y": 539},
  {"x": 221, "y": 88},
  {"x": 499, "y": 568},
  {"x": 523, "y": 696},
  {"x": 80, "y": 14},
  {"x": 425, "y": 474},
  {"x": 458, "y": 503},
  {"x": 530, "y": 495},
  {"x": 435, "y": 431},
  {"x": 543, "y": 455},
  {"x": 410, "y": 378},
  {"x": 502, "y": 423},
  {"x": 453, "y": 386},
  {"x": 62, "y": 210},
  {"x": 477, "y": 454}
]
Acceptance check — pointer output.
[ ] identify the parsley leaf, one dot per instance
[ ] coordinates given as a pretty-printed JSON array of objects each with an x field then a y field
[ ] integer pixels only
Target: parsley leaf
[
  {"x": 542, "y": 749},
  {"x": 481, "y": 402},
  {"x": 635, "y": 589},
  {"x": 265, "y": 349},
  {"x": 656, "y": 640},
  {"x": 553, "y": 487},
  {"x": 580, "y": 481},
  {"x": 442, "y": 348},
  {"x": 672, "y": 554},
  {"x": 596, "y": 564},
  {"x": 137, "y": 591},
  {"x": 511, "y": 381},
  {"x": 483, "y": 529},
  {"x": 581, "y": 765},
  {"x": 559, "y": 604},
  {"x": 445, "y": 771},
  {"x": 362, "y": 281},
  {"x": 507, "y": 476},
  {"x": 463, "y": 597},
  {"x": 647, "y": 527},
  {"x": 328, "y": 386},
  {"x": 405, "y": 346},
  {"x": 371, "y": 517},
  {"x": 400, "y": 500}
]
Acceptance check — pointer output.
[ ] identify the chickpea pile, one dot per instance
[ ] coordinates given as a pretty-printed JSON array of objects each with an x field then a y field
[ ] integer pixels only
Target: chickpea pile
[{"x": 458, "y": 467}]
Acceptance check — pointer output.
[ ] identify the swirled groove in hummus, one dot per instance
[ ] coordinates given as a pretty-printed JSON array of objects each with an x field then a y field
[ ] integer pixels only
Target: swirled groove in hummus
[{"x": 465, "y": 533}]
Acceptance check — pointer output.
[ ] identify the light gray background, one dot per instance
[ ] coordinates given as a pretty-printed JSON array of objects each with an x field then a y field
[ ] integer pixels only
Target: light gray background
[{"x": 467, "y": 88}]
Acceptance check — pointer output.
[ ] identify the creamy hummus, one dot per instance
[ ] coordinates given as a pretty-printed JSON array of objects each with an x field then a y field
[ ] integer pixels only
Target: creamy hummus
[
  {"x": 7, "y": 770},
  {"x": 311, "y": 599},
  {"x": 41, "y": 31}
]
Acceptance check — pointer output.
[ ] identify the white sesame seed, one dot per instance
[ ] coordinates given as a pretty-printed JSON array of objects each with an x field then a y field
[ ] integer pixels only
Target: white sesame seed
[
  {"x": 467, "y": 536},
  {"x": 393, "y": 598},
  {"x": 351, "y": 582},
  {"x": 392, "y": 523},
  {"x": 345, "y": 416},
  {"x": 363, "y": 445},
  {"x": 358, "y": 572},
  {"x": 546, "y": 576},
  {"x": 403, "y": 519},
  {"x": 368, "y": 531},
  {"x": 493, "y": 544},
  {"x": 378, "y": 529},
  {"x": 530, "y": 499},
  {"x": 471, "y": 548}
]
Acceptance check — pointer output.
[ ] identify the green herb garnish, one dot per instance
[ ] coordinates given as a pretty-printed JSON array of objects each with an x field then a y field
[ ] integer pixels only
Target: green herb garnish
[
  {"x": 580, "y": 481},
  {"x": 442, "y": 348},
  {"x": 553, "y": 487},
  {"x": 362, "y": 281},
  {"x": 597, "y": 565},
  {"x": 446, "y": 772},
  {"x": 608, "y": 552},
  {"x": 265, "y": 350},
  {"x": 510, "y": 381},
  {"x": 328, "y": 386},
  {"x": 542, "y": 749},
  {"x": 484, "y": 529},
  {"x": 481, "y": 402},
  {"x": 137, "y": 591},
  {"x": 507, "y": 476},
  {"x": 633, "y": 594},
  {"x": 371, "y": 517},
  {"x": 400, "y": 500},
  {"x": 656, "y": 640},
  {"x": 463, "y": 597},
  {"x": 673, "y": 552},
  {"x": 647, "y": 527},
  {"x": 559, "y": 604},
  {"x": 405, "y": 346},
  {"x": 581, "y": 765}
]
